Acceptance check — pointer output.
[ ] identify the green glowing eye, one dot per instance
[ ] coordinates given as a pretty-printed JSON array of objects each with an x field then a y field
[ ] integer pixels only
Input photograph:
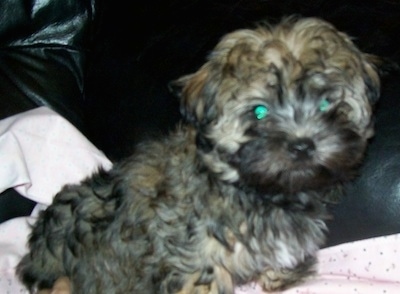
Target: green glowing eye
[
  {"x": 324, "y": 105},
  {"x": 261, "y": 111}
]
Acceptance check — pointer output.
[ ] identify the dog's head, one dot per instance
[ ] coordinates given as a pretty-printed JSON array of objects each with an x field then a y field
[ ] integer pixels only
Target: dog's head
[{"x": 283, "y": 108}]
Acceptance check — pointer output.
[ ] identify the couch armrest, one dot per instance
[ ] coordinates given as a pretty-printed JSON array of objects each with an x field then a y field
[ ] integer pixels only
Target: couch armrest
[{"x": 42, "y": 55}]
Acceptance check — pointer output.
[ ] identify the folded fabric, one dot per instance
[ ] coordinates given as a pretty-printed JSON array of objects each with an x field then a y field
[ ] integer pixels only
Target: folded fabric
[{"x": 40, "y": 152}]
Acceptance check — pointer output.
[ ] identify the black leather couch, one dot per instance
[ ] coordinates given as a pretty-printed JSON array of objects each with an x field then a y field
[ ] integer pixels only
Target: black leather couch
[{"x": 105, "y": 66}]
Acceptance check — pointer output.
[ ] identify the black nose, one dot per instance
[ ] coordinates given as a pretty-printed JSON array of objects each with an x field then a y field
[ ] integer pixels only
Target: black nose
[{"x": 301, "y": 148}]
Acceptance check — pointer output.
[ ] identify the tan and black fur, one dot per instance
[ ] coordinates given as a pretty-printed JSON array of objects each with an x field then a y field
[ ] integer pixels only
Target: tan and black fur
[{"x": 229, "y": 197}]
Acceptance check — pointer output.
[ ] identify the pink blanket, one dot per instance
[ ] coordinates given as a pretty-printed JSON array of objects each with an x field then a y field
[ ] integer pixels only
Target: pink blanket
[{"x": 40, "y": 152}]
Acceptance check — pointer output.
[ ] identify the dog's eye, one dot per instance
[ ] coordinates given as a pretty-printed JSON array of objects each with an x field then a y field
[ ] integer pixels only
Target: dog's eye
[
  {"x": 260, "y": 111},
  {"x": 324, "y": 105}
]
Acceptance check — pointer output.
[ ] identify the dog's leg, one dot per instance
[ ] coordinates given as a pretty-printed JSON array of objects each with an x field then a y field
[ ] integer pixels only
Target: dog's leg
[
  {"x": 200, "y": 289},
  {"x": 192, "y": 288},
  {"x": 63, "y": 233},
  {"x": 185, "y": 284},
  {"x": 61, "y": 286},
  {"x": 218, "y": 281},
  {"x": 274, "y": 280}
]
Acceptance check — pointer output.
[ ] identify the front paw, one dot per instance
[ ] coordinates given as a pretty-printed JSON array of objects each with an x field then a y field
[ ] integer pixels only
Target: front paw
[
  {"x": 274, "y": 280},
  {"x": 189, "y": 284},
  {"x": 61, "y": 286},
  {"x": 280, "y": 279}
]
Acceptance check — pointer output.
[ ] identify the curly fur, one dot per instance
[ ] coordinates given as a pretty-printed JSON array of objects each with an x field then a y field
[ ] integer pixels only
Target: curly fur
[{"x": 227, "y": 198}]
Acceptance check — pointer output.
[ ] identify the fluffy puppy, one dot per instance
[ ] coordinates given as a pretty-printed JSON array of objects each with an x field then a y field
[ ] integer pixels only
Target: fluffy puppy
[{"x": 276, "y": 120}]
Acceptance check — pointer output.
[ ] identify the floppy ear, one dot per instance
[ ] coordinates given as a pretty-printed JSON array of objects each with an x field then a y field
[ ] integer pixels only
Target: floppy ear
[
  {"x": 383, "y": 65},
  {"x": 197, "y": 93},
  {"x": 375, "y": 68},
  {"x": 371, "y": 77}
]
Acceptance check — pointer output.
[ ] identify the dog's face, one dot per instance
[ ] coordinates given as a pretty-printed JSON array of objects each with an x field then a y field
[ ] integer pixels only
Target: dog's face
[{"x": 284, "y": 108}]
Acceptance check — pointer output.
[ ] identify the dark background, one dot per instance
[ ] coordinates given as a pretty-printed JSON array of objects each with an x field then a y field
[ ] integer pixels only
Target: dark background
[{"x": 105, "y": 65}]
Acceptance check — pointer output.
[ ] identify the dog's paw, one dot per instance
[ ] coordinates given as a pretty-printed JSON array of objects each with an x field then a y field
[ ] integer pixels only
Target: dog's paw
[
  {"x": 191, "y": 286},
  {"x": 277, "y": 280},
  {"x": 201, "y": 289},
  {"x": 61, "y": 286},
  {"x": 272, "y": 280}
]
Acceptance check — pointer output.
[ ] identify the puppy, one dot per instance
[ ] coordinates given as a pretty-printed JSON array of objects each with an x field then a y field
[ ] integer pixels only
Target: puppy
[{"x": 276, "y": 120}]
